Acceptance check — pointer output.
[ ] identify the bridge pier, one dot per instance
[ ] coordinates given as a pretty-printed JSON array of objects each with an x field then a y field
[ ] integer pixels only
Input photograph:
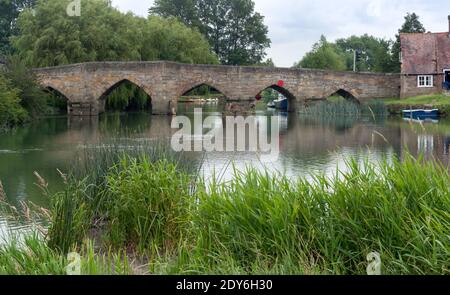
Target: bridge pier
[
  {"x": 86, "y": 108},
  {"x": 164, "y": 107}
]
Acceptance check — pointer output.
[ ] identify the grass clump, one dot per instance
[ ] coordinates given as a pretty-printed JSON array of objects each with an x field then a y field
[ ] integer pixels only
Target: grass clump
[
  {"x": 256, "y": 223},
  {"x": 260, "y": 223},
  {"x": 339, "y": 107},
  {"x": 147, "y": 204},
  {"x": 32, "y": 256},
  {"x": 434, "y": 99}
]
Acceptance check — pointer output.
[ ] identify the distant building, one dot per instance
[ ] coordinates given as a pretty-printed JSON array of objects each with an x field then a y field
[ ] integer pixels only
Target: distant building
[{"x": 425, "y": 59}]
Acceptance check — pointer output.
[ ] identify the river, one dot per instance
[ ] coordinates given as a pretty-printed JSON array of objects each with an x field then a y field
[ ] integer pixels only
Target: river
[{"x": 307, "y": 145}]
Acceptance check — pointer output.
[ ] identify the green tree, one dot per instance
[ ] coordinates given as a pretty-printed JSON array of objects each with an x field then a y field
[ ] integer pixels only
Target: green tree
[
  {"x": 184, "y": 10},
  {"x": 9, "y": 11},
  {"x": 412, "y": 24},
  {"x": 324, "y": 55},
  {"x": 375, "y": 53},
  {"x": 48, "y": 37},
  {"x": 236, "y": 32},
  {"x": 32, "y": 97},
  {"x": 11, "y": 112}
]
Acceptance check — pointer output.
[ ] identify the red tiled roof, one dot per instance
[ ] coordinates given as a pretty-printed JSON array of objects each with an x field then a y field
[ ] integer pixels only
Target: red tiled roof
[{"x": 426, "y": 53}]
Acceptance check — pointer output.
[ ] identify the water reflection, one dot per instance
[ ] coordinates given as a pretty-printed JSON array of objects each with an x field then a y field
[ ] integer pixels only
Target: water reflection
[{"x": 307, "y": 144}]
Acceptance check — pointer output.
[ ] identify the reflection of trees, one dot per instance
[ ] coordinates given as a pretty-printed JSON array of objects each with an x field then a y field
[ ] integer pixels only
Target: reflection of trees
[{"x": 320, "y": 135}]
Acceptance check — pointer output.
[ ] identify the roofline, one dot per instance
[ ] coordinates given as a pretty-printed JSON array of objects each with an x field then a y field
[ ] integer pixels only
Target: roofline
[{"x": 426, "y": 33}]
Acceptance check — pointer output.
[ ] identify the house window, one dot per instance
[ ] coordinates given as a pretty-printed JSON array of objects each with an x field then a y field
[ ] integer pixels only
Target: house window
[{"x": 425, "y": 81}]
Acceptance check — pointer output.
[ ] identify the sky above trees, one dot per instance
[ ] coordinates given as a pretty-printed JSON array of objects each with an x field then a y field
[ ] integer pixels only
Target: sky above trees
[{"x": 295, "y": 25}]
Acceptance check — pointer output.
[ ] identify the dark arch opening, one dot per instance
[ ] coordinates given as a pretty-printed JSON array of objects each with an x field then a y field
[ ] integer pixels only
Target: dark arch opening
[
  {"x": 126, "y": 96},
  {"x": 342, "y": 94},
  {"x": 204, "y": 96},
  {"x": 277, "y": 97},
  {"x": 201, "y": 92},
  {"x": 57, "y": 102}
]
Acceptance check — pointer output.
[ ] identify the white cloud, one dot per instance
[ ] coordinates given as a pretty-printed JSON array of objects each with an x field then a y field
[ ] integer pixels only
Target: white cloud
[{"x": 295, "y": 25}]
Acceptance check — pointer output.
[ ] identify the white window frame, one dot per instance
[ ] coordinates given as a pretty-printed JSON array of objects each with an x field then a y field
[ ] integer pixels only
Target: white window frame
[{"x": 426, "y": 83}]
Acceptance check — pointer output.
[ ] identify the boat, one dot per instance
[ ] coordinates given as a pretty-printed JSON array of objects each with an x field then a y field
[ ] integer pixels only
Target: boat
[
  {"x": 421, "y": 114},
  {"x": 281, "y": 104}
]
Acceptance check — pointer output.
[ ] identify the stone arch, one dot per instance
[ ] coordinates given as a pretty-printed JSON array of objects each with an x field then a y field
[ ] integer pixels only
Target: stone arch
[
  {"x": 111, "y": 86},
  {"x": 62, "y": 102},
  {"x": 292, "y": 99},
  {"x": 185, "y": 88},
  {"x": 101, "y": 98},
  {"x": 348, "y": 95},
  {"x": 49, "y": 87}
]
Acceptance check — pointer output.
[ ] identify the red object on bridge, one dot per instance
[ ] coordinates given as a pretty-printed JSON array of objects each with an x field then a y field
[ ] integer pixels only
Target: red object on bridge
[
  {"x": 280, "y": 83},
  {"x": 258, "y": 96}
]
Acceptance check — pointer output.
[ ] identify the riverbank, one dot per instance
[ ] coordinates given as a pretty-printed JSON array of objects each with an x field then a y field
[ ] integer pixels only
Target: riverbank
[
  {"x": 438, "y": 101},
  {"x": 148, "y": 214}
]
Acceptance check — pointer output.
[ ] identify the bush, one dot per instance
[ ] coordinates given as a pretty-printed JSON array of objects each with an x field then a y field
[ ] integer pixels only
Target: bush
[
  {"x": 32, "y": 97},
  {"x": 147, "y": 204},
  {"x": 11, "y": 112}
]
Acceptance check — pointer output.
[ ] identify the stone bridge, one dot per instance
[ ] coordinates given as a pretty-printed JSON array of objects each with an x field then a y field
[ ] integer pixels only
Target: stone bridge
[{"x": 86, "y": 85}]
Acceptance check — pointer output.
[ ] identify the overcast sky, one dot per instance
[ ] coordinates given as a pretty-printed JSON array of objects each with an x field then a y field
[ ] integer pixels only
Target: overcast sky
[{"x": 295, "y": 25}]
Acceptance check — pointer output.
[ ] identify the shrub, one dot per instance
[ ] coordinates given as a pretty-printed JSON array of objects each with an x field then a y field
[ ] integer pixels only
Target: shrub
[{"x": 11, "y": 112}]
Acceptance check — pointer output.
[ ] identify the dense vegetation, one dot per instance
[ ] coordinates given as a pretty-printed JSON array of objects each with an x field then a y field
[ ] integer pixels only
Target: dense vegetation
[
  {"x": 9, "y": 11},
  {"x": 236, "y": 32},
  {"x": 170, "y": 221},
  {"x": 46, "y": 36},
  {"x": 21, "y": 98},
  {"x": 372, "y": 54}
]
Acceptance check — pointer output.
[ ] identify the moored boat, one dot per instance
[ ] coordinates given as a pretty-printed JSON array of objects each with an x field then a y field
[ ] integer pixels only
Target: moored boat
[
  {"x": 421, "y": 113},
  {"x": 281, "y": 104}
]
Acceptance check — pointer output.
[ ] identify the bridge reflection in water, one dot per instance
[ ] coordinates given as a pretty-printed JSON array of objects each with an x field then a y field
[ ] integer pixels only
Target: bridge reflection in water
[{"x": 307, "y": 144}]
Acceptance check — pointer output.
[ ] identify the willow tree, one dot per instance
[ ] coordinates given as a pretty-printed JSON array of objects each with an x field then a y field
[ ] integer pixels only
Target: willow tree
[{"x": 49, "y": 37}]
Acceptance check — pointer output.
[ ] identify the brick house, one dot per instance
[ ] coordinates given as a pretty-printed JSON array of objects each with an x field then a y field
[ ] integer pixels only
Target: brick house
[{"x": 425, "y": 59}]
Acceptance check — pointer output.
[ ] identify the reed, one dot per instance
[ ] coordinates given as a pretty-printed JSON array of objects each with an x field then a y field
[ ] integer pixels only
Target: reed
[
  {"x": 343, "y": 107},
  {"x": 256, "y": 223},
  {"x": 32, "y": 256},
  {"x": 400, "y": 210}
]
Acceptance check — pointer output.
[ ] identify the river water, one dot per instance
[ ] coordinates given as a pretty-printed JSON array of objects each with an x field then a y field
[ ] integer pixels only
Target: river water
[{"x": 307, "y": 145}]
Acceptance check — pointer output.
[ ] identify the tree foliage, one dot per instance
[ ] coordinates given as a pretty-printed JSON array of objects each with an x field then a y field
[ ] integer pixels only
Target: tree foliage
[
  {"x": 375, "y": 53},
  {"x": 32, "y": 96},
  {"x": 324, "y": 55},
  {"x": 9, "y": 11},
  {"x": 11, "y": 112},
  {"x": 236, "y": 32},
  {"x": 49, "y": 37}
]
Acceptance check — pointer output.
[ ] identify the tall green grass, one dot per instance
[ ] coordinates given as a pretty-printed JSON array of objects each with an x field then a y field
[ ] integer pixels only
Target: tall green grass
[
  {"x": 124, "y": 195},
  {"x": 345, "y": 108},
  {"x": 32, "y": 256},
  {"x": 400, "y": 210},
  {"x": 147, "y": 205},
  {"x": 257, "y": 223}
]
